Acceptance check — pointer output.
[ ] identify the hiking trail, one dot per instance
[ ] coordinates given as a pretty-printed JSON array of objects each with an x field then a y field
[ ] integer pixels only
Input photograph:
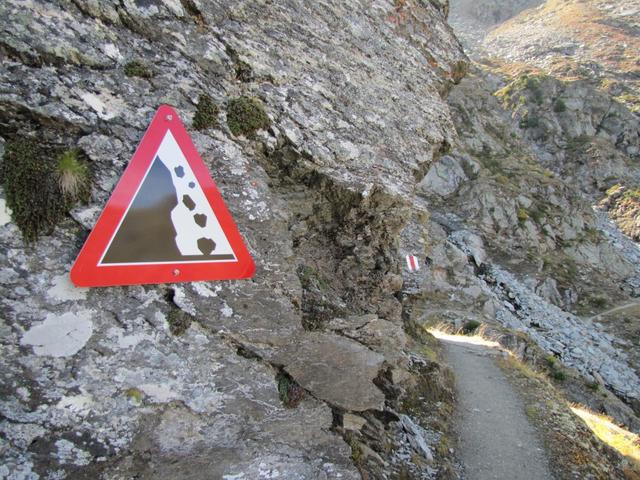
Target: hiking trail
[{"x": 495, "y": 439}]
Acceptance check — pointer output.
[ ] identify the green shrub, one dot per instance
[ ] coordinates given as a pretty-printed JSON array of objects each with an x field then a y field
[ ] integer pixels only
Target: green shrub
[
  {"x": 529, "y": 121},
  {"x": 532, "y": 83},
  {"x": 246, "y": 115},
  {"x": 137, "y": 68},
  {"x": 594, "y": 386},
  {"x": 206, "y": 113},
  {"x": 550, "y": 361},
  {"x": 523, "y": 216},
  {"x": 559, "y": 106},
  {"x": 558, "y": 375}
]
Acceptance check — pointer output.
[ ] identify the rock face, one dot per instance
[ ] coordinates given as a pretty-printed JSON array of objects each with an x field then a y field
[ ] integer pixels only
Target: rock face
[
  {"x": 336, "y": 370},
  {"x": 182, "y": 381}
]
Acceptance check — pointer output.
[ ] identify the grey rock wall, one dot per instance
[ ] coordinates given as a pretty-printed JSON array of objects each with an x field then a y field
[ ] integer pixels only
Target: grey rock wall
[{"x": 96, "y": 383}]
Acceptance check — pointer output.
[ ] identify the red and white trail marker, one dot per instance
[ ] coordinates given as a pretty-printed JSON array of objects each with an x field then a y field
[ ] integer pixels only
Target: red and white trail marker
[
  {"x": 412, "y": 263},
  {"x": 165, "y": 221}
]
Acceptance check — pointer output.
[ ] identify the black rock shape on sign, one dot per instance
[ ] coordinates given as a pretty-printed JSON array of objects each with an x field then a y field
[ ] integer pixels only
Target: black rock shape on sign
[{"x": 147, "y": 233}]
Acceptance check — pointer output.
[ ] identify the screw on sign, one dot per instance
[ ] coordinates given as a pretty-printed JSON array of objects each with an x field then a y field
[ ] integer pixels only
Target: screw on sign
[
  {"x": 165, "y": 221},
  {"x": 412, "y": 263}
]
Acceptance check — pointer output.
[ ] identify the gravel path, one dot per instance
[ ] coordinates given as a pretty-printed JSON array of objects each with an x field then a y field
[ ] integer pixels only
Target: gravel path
[
  {"x": 495, "y": 439},
  {"x": 612, "y": 310}
]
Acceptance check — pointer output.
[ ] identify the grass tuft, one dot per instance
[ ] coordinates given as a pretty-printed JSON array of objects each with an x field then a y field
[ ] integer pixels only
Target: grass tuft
[{"x": 73, "y": 176}]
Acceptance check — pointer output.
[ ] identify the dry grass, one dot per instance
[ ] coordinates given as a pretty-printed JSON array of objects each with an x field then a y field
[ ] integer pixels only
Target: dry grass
[
  {"x": 625, "y": 442},
  {"x": 572, "y": 447}
]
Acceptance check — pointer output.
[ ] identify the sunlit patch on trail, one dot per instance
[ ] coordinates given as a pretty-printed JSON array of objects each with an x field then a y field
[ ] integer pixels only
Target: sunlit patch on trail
[{"x": 466, "y": 339}]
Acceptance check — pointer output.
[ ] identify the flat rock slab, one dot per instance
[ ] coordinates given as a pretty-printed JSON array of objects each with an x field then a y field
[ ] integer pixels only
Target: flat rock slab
[
  {"x": 335, "y": 369},
  {"x": 495, "y": 438}
]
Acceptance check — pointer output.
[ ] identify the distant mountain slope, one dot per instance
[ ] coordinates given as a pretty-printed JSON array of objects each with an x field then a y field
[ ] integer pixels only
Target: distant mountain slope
[{"x": 586, "y": 39}]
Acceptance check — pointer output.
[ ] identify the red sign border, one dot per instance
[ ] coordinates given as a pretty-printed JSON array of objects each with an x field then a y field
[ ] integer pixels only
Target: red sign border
[{"x": 87, "y": 273}]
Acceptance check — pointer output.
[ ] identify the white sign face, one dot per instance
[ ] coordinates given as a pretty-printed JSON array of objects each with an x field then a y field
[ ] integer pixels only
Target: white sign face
[{"x": 169, "y": 218}]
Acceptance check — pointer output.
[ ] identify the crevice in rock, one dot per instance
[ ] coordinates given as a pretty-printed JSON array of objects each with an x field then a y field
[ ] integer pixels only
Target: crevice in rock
[
  {"x": 347, "y": 238},
  {"x": 194, "y": 12},
  {"x": 423, "y": 168}
]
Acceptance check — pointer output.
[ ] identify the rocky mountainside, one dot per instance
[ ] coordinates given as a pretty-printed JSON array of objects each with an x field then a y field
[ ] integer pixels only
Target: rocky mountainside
[
  {"x": 597, "y": 40},
  {"x": 342, "y": 135}
]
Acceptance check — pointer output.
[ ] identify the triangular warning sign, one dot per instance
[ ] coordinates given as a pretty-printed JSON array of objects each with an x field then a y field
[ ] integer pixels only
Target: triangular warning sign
[{"x": 165, "y": 221}]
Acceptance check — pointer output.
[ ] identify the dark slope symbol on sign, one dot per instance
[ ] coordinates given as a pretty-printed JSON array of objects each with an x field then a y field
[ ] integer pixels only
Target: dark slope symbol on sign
[
  {"x": 173, "y": 210},
  {"x": 165, "y": 221}
]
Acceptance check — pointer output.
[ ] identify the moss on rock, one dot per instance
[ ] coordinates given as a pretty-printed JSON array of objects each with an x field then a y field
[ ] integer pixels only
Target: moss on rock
[
  {"x": 137, "y": 68},
  {"x": 246, "y": 115},
  {"x": 179, "y": 321},
  {"x": 206, "y": 113},
  {"x": 29, "y": 178}
]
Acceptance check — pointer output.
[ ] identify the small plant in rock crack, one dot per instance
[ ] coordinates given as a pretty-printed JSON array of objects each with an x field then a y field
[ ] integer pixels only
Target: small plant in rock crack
[
  {"x": 137, "y": 68},
  {"x": 291, "y": 394},
  {"x": 559, "y": 106},
  {"x": 73, "y": 176},
  {"x": 558, "y": 375}
]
